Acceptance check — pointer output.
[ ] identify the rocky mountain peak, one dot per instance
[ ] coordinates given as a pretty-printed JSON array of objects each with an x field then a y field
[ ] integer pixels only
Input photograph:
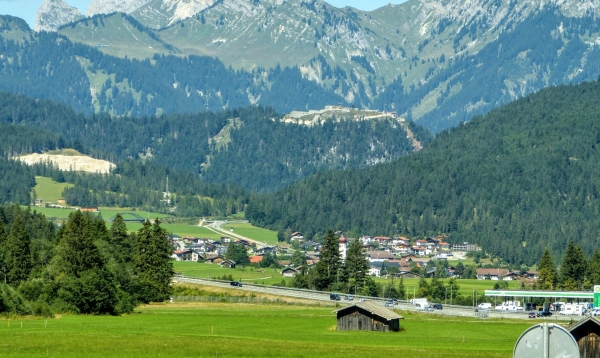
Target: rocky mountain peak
[
  {"x": 52, "y": 14},
  {"x": 110, "y": 6}
]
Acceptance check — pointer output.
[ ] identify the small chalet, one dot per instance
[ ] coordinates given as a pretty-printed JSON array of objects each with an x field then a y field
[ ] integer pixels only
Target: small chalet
[
  {"x": 214, "y": 259},
  {"x": 289, "y": 272},
  {"x": 367, "y": 316},
  {"x": 587, "y": 334},
  {"x": 228, "y": 264}
]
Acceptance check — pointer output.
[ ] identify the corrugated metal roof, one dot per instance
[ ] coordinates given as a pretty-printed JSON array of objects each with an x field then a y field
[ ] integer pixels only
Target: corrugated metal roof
[{"x": 375, "y": 309}]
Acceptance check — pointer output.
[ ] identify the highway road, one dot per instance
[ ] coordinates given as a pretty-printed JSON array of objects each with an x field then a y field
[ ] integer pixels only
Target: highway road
[
  {"x": 217, "y": 227},
  {"x": 460, "y": 311}
]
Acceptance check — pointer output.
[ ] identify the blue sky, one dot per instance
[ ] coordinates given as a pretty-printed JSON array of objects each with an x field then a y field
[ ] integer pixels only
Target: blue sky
[{"x": 26, "y": 9}]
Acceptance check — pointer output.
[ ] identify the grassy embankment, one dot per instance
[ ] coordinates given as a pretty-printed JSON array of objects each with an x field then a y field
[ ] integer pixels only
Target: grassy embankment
[{"x": 251, "y": 330}]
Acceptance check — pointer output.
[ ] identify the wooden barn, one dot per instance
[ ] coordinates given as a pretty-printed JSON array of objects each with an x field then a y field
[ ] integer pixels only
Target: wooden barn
[
  {"x": 367, "y": 316},
  {"x": 587, "y": 334}
]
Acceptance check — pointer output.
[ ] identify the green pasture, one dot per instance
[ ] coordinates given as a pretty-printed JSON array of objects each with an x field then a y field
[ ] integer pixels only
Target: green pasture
[
  {"x": 251, "y": 330},
  {"x": 253, "y": 232},
  {"x": 48, "y": 190},
  {"x": 467, "y": 286},
  {"x": 267, "y": 276},
  {"x": 273, "y": 276}
]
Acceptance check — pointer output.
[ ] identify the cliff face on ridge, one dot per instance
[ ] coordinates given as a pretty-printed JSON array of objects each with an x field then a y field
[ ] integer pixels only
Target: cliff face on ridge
[{"x": 52, "y": 14}]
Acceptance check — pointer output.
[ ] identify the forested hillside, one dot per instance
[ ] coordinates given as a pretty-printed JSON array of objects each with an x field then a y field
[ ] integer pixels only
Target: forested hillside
[
  {"x": 522, "y": 178},
  {"x": 85, "y": 79},
  {"x": 249, "y": 147}
]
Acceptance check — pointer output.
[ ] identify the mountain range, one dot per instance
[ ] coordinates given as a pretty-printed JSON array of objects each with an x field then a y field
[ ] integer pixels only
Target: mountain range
[{"x": 426, "y": 60}]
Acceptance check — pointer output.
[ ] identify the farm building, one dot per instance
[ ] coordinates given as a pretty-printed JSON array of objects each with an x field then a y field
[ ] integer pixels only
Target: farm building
[
  {"x": 289, "y": 272},
  {"x": 587, "y": 334},
  {"x": 228, "y": 264},
  {"x": 367, "y": 316}
]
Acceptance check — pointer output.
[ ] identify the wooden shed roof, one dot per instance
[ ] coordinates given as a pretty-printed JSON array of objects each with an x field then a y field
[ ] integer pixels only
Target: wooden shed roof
[
  {"x": 591, "y": 319},
  {"x": 375, "y": 309}
]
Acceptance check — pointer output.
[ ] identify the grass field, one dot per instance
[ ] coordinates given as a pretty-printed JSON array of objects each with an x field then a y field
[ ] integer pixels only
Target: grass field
[
  {"x": 251, "y": 330},
  {"x": 48, "y": 190},
  {"x": 253, "y": 232},
  {"x": 248, "y": 274}
]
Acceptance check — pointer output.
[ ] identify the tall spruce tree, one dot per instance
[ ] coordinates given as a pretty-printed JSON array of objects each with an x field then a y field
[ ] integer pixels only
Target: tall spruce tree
[
  {"x": 18, "y": 253},
  {"x": 3, "y": 240},
  {"x": 573, "y": 268},
  {"x": 328, "y": 267},
  {"x": 120, "y": 240},
  {"x": 547, "y": 272},
  {"x": 153, "y": 262},
  {"x": 593, "y": 272},
  {"x": 85, "y": 283},
  {"x": 356, "y": 266}
]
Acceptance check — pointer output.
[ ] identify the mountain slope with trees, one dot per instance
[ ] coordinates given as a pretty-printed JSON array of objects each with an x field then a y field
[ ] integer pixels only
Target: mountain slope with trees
[
  {"x": 520, "y": 179},
  {"x": 262, "y": 153}
]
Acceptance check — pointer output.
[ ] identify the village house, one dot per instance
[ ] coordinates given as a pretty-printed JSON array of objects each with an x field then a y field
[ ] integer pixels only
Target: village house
[
  {"x": 297, "y": 236},
  {"x": 379, "y": 256},
  {"x": 494, "y": 274},
  {"x": 400, "y": 241},
  {"x": 383, "y": 241},
  {"x": 465, "y": 247},
  {"x": 420, "y": 250},
  {"x": 290, "y": 272},
  {"x": 214, "y": 259},
  {"x": 376, "y": 267},
  {"x": 255, "y": 259},
  {"x": 228, "y": 264}
]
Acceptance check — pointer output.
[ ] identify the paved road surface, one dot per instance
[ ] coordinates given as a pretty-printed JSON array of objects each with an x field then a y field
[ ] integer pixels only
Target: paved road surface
[{"x": 461, "y": 311}]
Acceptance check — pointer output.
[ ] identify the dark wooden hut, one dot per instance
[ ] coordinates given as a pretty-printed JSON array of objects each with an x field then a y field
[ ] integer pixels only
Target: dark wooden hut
[
  {"x": 367, "y": 316},
  {"x": 587, "y": 334}
]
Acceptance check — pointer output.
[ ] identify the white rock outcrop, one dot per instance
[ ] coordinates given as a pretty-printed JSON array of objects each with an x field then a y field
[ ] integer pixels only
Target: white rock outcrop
[
  {"x": 109, "y": 6},
  {"x": 68, "y": 162},
  {"x": 53, "y": 14}
]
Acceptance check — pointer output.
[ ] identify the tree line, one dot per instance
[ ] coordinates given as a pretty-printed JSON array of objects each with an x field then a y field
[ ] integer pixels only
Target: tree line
[{"x": 80, "y": 267}]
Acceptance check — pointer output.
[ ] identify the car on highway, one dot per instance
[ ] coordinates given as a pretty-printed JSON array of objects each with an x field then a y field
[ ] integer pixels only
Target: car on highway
[
  {"x": 389, "y": 303},
  {"x": 236, "y": 283},
  {"x": 348, "y": 297},
  {"x": 544, "y": 313},
  {"x": 437, "y": 306},
  {"x": 334, "y": 297},
  {"x": 532, "y": 315}
]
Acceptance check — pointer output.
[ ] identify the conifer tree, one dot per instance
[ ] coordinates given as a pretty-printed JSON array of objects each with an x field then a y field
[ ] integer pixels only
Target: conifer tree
[
  {"x": 329, "y": 265},
  {"x": 120, "y": 240},
  {"x": 86, "y": 284},
  {"x": 547, "y": 272},
  {"x": 153, "y": 261},
  {"x": 3, "y": 240},
  {"x": 593, "y": 271},
  {"x": 401, "y": 289},
  {"x": 573, "y": 268},
  {"x": 18, "y": 253},
  {"x": 356, "y": 266}
]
